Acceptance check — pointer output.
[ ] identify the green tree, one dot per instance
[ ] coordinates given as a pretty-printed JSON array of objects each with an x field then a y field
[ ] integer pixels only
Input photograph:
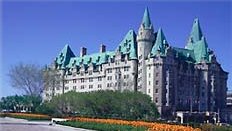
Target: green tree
[
  {"x": 106, "y": 104},
  {"x": 18, "y": 103}
]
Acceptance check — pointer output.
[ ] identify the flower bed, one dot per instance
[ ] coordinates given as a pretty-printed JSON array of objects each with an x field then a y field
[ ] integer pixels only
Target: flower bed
[
  {"x": 27, "y": 116},
  {"x": 151, "y": 126}
]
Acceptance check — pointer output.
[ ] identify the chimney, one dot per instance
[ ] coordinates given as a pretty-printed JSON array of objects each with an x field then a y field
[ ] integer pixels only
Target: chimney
[
  {"x": 102, "y": 48},
  {"x": 83, "y": 51}
]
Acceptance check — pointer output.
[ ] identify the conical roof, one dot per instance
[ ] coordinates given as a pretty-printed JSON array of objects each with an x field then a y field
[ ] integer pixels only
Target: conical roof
[
  {"x": 160, "y": 44},
  {"x": 146, "y": 19}
]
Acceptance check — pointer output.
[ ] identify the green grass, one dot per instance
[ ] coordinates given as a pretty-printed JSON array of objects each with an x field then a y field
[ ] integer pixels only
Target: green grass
[
  {"x": 101, "y": 126},
  {"x": 210, "y": 127}
]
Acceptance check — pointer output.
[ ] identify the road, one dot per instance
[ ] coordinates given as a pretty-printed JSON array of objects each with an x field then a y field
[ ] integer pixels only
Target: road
[{"x": 12, "y": 124}]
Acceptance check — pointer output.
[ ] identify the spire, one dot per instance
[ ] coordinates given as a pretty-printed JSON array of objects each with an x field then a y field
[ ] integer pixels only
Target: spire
[
  {"x": 146, "y": 19},
  {"x": 196, "y": 33},
  {"x": 160, "y": 43}
]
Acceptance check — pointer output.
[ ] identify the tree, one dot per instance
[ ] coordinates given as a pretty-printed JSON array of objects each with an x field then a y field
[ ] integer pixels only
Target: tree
[
  {"x": 104, "y": 104},
  {"x": 20, "y": 103},
  {"x": 27, "y": 78}
]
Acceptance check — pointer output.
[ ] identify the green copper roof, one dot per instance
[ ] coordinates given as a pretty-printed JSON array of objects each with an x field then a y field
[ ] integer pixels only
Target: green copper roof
[
  {"x": 128, "y": 45},
  {"x": 146, "y": 19},
  {"x": 195, "y": 35},
  {"x": 198, "y": 44},
  {"x": 95, "y": 59},
  {"x": 184, "y": 54},
  {"x": 64, "y": 56},
  {"x": 160, "y": 44},
  {"x": 201, "y": 51}
]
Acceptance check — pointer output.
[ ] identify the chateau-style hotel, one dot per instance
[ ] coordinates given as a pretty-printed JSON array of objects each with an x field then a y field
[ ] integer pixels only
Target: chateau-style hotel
[{"x": 176, "y": 79}]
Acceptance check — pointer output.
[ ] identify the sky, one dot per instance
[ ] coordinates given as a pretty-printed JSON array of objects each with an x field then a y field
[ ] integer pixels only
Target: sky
[{"x": 35, "y": 32}]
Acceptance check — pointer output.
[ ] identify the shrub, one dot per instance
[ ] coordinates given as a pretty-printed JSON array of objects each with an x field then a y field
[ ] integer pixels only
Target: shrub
[{"x": 102, "y": 104}]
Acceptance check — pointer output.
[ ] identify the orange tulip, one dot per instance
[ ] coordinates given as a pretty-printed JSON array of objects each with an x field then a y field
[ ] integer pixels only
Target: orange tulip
[{"x": 152, "y": 126}]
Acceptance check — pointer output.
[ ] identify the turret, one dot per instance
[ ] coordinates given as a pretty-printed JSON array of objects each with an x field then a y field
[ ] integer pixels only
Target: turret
[
  {"x": 145, "y": 39},
  {"x": 146, "y": 31}
]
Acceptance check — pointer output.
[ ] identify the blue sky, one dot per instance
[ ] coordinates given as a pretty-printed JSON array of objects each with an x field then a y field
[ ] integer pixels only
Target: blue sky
[{"x": 35, "y": 32}]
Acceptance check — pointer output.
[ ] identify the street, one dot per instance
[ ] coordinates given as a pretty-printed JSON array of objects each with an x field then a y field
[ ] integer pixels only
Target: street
[{"x": 12, "y": 124}]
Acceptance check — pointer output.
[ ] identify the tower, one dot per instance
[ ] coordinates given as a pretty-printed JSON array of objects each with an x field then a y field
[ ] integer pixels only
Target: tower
[{"x": 145, "y": 39}]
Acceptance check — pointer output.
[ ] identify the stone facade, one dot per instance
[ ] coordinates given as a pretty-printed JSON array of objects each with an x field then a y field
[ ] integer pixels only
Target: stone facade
[{"x": 176, "y": 79}]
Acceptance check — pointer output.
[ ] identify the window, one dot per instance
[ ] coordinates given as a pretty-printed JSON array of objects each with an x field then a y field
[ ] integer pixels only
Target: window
[
  {"x": 117, "y": 69},
  {"x": 203, "y": 94},
  {"x": 157, "y": 74},
  {"x": 90, "y": 72},
  {"x": 149, "y": 90},
  {"x": 66, "y": 82},
  {"x": 90, "y": 79},
  {"x": 156, "y": 82},
  {"x": 149, "y": 83},
  {"x": 109, "y": 78},
  {"x": 82, "y": 87},
  {"x": 99, "y": 86},
  {"x": 57, "y": 88},
  {"x": 126, "y": 76},
  {"x": 74, "y": 87},
  {"x": 156, "y": 90},
  {"x": 116, "y": 77},
  {"x": 126, "y": 68},
  {"x": 149, "y": 75},
  {"x": 156, "y": 100},
  {"x": 74, "y": 81},
  {"x": 82, "y": 80},
  {"x": 109, "y": 70},
  {"x": 66, "y": 87},
  {"x": 108, "y": 84},
  {"x": 90, "y": 86}
]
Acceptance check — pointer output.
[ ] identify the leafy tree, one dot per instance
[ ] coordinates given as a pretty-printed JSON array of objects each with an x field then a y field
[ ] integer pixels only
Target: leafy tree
[
  {"x": 105, "y": 104},
  {"x": 18, "y": 103}
]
